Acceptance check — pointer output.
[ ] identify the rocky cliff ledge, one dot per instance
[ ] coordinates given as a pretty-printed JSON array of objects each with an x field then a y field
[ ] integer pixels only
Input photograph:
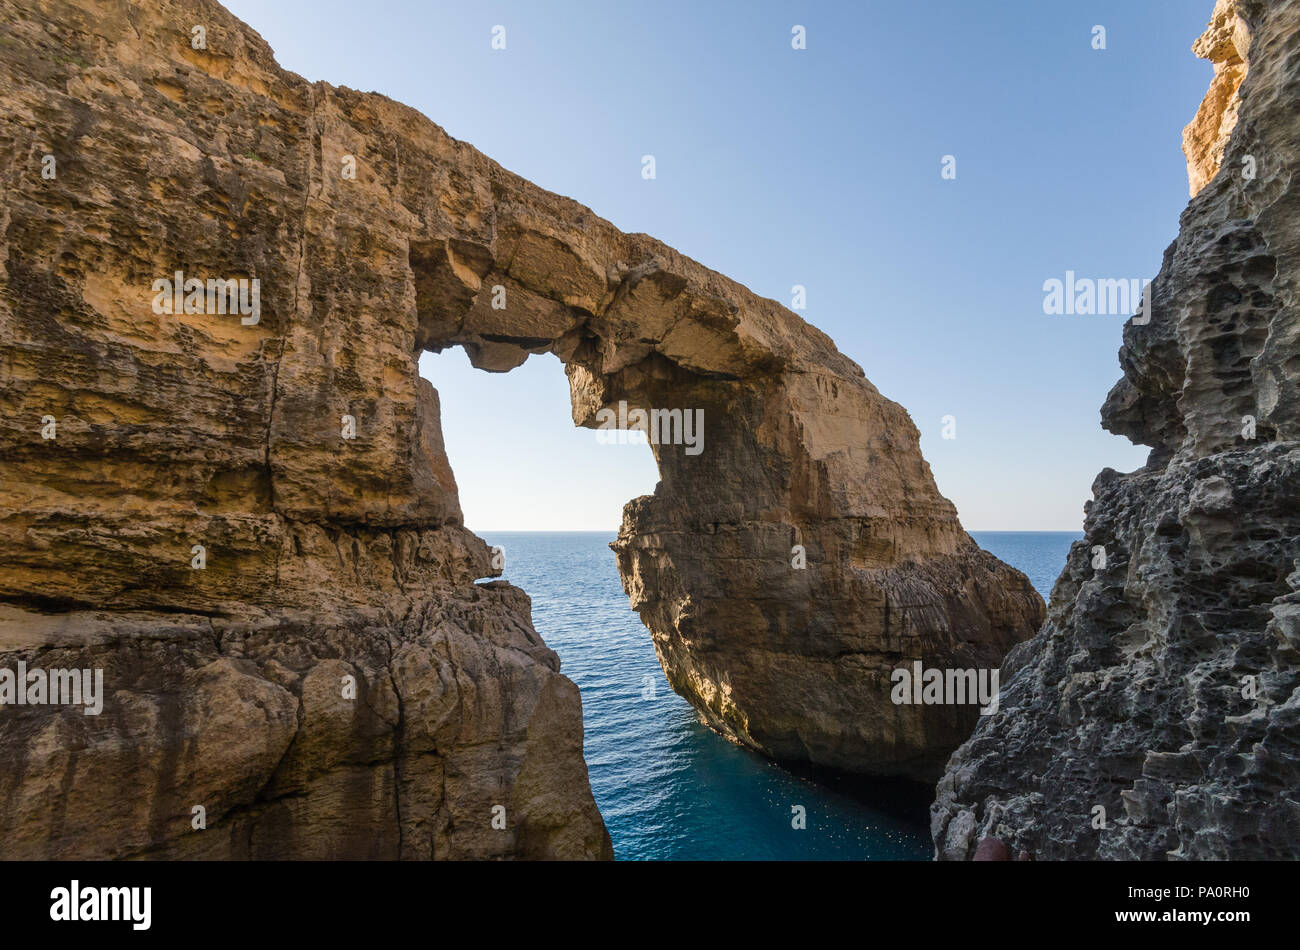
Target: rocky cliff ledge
[
  {"x": 1157, "y": 714},
  {"x": 237, "y": 515}
]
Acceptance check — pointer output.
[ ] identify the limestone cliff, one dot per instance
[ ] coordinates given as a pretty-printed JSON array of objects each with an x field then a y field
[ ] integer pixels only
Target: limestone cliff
[
  {"x": 1164, "y": 687},
  {"x": 1225, "y": 43},
  {"x": 332, "y": 683},
  {"x": 298, "y": 453}
]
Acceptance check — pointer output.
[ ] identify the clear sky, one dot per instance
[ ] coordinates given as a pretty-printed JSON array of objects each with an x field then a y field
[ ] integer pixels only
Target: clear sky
[{"x": 819, "y": 167}]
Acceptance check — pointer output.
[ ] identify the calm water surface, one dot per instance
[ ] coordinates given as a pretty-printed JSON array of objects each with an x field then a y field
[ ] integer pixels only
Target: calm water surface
[{"x": 668, "y": 787}]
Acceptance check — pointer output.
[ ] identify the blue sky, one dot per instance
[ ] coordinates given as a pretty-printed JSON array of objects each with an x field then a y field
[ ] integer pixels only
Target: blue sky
[{"x": 818, "y": 167}]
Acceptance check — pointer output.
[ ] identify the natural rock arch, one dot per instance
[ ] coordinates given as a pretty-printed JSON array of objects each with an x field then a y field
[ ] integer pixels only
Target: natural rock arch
[
  {"x": 331, "y": 558},
  {"x": 799, "y": 449}
]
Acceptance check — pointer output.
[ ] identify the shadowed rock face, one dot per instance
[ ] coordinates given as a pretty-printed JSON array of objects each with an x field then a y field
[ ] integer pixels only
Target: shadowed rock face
[
  {"x": 330, "y": 557},
  {"x": 1163, "y": 687}
]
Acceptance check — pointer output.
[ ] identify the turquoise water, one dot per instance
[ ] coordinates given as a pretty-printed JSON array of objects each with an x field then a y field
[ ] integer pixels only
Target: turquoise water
[{"x": 668, "y": 787}]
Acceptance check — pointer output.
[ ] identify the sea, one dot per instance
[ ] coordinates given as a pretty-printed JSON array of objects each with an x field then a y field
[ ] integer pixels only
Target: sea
[{"x": 668, "y": 787}]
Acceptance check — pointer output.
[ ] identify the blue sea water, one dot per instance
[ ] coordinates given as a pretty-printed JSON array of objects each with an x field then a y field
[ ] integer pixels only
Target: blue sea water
[
  {"x": 668, "y": 787},
  {"x": 1040, "y": 554}
]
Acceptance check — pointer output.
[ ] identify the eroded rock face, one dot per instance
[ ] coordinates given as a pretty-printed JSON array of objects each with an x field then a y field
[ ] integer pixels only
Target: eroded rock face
[
  {"x": 330, "y": 557},
  {"x": 1224, "y": 43},
  {"x": 1164, "y": 686},
  {"x": 329, "y": 561}
]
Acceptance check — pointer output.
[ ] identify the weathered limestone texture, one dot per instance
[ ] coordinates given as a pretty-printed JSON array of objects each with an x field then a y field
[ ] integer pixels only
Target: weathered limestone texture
[
  {"x": 1225, "y": 43},
  {"x": 1164, "y": 686},
  {"x": 329, "y": 557},
  {"x": 326, "y": 558}
]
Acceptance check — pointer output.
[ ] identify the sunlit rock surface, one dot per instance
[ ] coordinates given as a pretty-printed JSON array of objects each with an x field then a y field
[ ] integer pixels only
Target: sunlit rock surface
[{"x": 298, "y": 447}]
